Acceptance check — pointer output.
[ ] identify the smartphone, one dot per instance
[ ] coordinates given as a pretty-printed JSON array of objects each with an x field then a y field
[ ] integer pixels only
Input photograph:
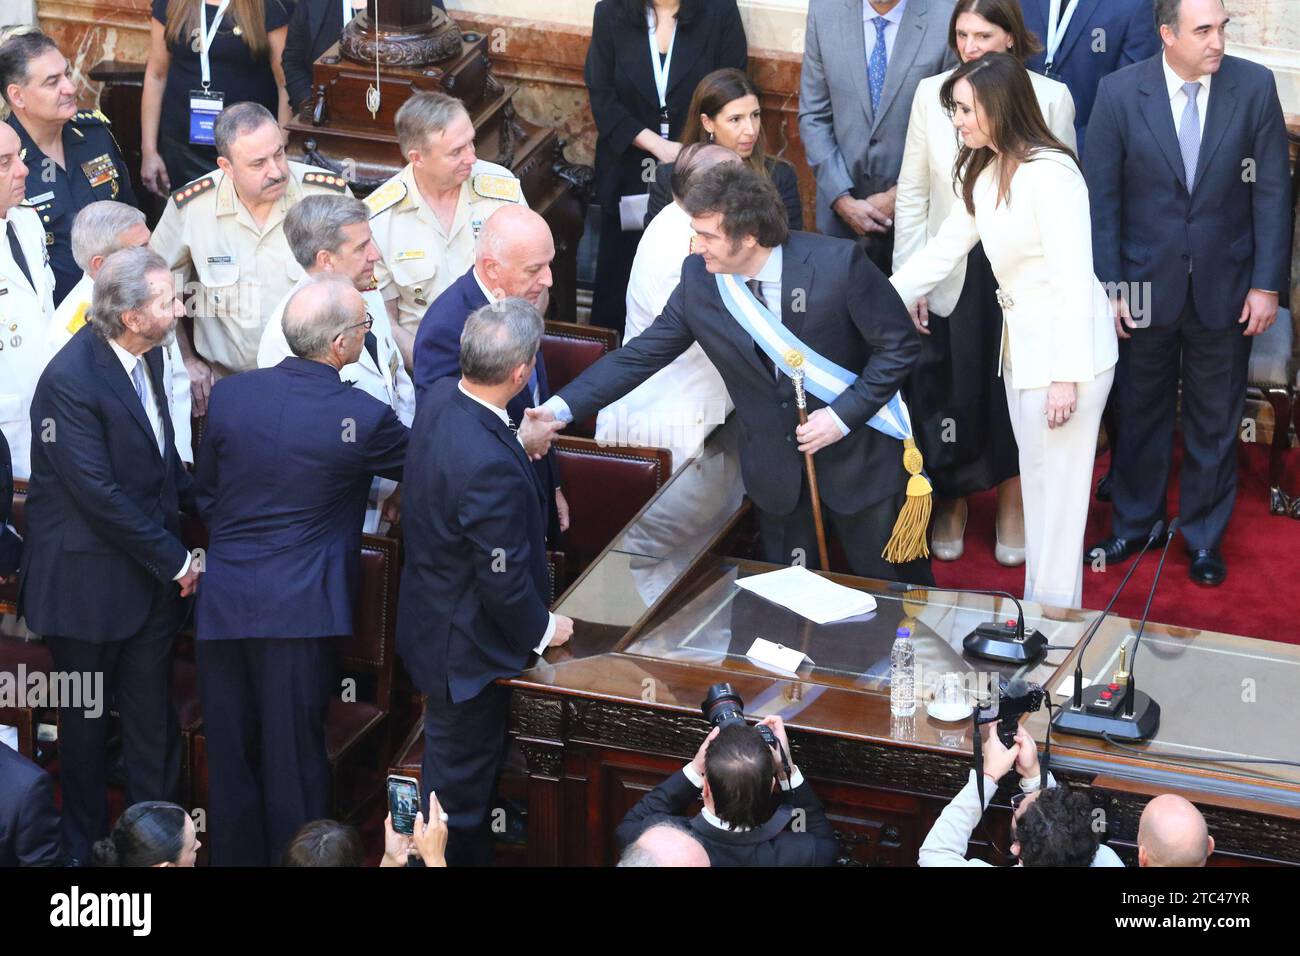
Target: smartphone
[{"x": 403, "y": 802}]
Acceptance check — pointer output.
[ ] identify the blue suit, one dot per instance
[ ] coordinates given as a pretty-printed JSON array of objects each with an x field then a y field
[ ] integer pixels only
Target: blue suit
[
  {"x": 103, "y": 546},
  {"x": 437, "y": 356},
  {"x": 11, "y": 546},
  {"x": 1189, "y": 260},
  {"x": 1103, "y": 36},
  {"x": 472, "y": 606},
  {"x": 29, "y": 822},
  {"x": 283, "y": 472}
]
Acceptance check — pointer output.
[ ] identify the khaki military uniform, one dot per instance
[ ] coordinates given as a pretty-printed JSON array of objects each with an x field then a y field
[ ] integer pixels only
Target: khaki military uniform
[
  {"x": 235, "y": 272},
  {"x": 420, "y": 257}
]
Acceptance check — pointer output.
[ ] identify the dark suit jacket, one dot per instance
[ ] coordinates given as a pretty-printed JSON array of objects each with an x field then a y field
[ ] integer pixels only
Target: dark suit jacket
[
  {"x": 283, "y": 472},
  {"x": 103, "y": 529},
  {"x": 1234, "y": 229},
  {"x": 620, "y": 81},
  {"x": 11, "y": 546},
  {"x": 1129, "y": 27},
  {"x": 779, "y": 171},
  {"x": 851, "y": 315},
  {"x": 30, "y": 834},
  {"x": 473, "y": 603},
  {"x": 314, "y": 27},
  {"x": 772, "y": 844}
]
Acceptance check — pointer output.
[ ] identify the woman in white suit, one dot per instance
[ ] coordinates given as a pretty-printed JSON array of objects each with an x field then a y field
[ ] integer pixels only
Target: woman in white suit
[
  {"x": 957, "y": 403},
  {"x": 1024, "y": 197}
]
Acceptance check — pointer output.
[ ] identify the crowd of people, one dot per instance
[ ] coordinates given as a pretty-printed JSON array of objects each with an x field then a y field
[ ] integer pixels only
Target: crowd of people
[{"x": 995, "y": 199}]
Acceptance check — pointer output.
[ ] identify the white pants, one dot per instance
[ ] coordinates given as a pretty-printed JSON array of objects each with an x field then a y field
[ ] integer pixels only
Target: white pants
[{"x": 1056, "y": 484}]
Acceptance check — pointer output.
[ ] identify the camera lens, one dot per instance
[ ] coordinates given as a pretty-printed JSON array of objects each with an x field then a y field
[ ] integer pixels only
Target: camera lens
[{"x": 722, "y": 705}]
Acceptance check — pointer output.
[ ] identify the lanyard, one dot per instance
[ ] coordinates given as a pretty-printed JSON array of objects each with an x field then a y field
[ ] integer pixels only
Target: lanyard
[
  {"x": 206, "y": 37},
  {"x": 1055, "y": 31},
  {"x": 661, "y": 71}
]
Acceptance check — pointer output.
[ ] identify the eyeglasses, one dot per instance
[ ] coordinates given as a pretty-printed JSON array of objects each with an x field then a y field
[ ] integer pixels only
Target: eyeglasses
[{"x": 370, "y": 320}]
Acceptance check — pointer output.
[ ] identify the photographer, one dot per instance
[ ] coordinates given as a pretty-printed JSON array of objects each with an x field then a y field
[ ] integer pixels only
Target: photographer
[
  {"x": 735, "y": 773},
  {"x": 1050, "y": 825}
]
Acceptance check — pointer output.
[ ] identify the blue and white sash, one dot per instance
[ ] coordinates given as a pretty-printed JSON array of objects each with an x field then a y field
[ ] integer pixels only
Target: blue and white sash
[{"x": 822, "y": 377}]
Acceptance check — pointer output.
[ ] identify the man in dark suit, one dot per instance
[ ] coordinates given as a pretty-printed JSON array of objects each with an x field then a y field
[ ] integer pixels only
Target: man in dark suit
[
  {"x": 283, "y": 477},
  {"x": 511, "y": 259},
  {"x": 29, "y": 822},
  {"x": 734, "y": 773},
  {"x": 473, "y": 606},
  {"x": 1188, "y": 173},
  {"x": 105, "y": 571},
  {"x": 834, "y": 300},
  {"x": 1093, "y": 39},
  {"x": 11, "y": 545}
]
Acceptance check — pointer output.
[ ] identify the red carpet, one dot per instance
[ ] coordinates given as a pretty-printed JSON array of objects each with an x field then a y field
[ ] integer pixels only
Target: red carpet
[{"x": 1262, "y": 552}]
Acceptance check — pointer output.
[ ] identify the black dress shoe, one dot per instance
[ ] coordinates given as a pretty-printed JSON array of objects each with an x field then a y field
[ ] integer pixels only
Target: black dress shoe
[
  {"x": 1208, "y": 568},
  {"x": 1115, "y": 549},
  {"x": 1103, "y": 488}
]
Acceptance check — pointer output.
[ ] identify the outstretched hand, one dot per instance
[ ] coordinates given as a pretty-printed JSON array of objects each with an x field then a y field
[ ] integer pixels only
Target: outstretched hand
[{"x": 538, "y": 430}]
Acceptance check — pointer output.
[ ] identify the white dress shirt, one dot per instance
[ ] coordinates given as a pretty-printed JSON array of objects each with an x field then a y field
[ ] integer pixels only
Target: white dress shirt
[
  {"x": 1178, "y": 98},
  {"x": 894, "y": 16},
  {"x": 502, "y": 414}
]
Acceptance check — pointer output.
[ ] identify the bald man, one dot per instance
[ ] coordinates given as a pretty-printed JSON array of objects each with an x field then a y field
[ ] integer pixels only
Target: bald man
[
  {"x": 665, "y": 844},
  {"x": 1172, "y": 832},
  {"x": 512, "y": 259}
]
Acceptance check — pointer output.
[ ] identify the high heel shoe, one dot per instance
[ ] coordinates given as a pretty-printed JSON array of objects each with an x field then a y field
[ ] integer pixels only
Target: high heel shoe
[
  {"x": 950, "y": 549},
  {"x": 1010, "y": 505}
]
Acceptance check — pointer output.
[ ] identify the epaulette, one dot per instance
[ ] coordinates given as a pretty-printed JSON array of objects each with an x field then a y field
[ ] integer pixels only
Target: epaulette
[
  {"x": 386, "y": 196},
  {"x": 326, "y": 181},
  {"x": 190, "y": 190},
  {"x": 497, "y": 187},
  {"x": 91, "y": 118}
]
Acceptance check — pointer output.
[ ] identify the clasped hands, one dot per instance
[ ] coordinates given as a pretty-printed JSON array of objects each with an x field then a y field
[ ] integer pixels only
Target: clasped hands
[{"x": 538, "y": 430}]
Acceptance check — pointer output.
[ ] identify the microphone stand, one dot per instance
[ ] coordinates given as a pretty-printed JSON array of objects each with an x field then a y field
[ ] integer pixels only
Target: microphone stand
[{"x": 1007, "y": 642}]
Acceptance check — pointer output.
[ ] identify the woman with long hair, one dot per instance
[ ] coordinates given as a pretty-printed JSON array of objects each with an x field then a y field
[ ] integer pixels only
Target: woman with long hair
[
  {"x": 725, "y": 110},
  {"x": 245, "y": 44},
  {"x": 1023, "y": 196},
  {"x": 958, "y": 406}
]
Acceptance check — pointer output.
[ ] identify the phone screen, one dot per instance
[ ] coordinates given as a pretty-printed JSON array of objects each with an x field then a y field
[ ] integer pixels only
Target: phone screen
[{"x": 403, "y": 803}]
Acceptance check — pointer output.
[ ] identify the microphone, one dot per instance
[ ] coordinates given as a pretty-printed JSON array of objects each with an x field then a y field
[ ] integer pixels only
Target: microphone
[
  {"x": 1006, "y": 642},
  {"x": 1117, "y": 710}
]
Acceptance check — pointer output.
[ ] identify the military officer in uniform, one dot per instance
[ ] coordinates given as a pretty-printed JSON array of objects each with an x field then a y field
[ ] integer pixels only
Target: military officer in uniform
[
  {"x": 426, "y": 218},
  {"x": 224, "y": 235},
  {"x": 26, "y": 303},
  {"x": 99, "y": 230},
  {"x": 71, "y": 157}
]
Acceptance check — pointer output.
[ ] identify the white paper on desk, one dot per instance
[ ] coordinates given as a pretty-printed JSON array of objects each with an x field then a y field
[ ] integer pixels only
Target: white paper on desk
[
  {"x": 1066, "y": 687},
  {"x": 632, "y": 210},
  {"x": 776, "y": 656},
  {"x": 809, "y": 595}
]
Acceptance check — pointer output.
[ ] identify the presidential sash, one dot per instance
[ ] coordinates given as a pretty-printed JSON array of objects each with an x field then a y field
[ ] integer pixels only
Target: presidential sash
[{"x": 826, "y": 380}]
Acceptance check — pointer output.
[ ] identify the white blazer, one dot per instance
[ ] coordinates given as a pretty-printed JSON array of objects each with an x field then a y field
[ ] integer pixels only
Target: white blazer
[
  {"x": 1057, "y": 324},
  {"x": 925, "y": 185}
]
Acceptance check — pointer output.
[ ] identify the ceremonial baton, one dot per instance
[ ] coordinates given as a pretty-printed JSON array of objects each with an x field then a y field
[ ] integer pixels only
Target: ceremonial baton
[{"x": 794, "y": 359}]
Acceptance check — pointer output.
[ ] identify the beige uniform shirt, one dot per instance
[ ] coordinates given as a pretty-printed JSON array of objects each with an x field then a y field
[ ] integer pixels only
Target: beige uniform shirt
[
  {"x": 421, "y": 258},
  {"x": 26, "y": 309},
  {"x": 234, "y": 272}
]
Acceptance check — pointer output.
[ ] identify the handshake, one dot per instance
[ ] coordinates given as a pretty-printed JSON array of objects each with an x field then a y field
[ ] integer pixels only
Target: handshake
[{"x": 538, "y": 430}]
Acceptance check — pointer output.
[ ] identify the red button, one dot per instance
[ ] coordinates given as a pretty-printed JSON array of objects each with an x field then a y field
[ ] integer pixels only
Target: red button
[
  {"x": 1105, "y": 695},
  {"x": 1112, "y": 686},
  {"x": 1011, "y": 623}
]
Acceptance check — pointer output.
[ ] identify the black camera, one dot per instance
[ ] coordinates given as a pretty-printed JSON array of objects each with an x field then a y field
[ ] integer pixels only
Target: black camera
[
  {"x": 722, "y": 707},
  {"x": 1015, "y": 697}
]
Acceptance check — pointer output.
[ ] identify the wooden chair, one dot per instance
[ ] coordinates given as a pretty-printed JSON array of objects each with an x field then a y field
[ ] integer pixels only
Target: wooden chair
[
  {"x": 1272, "y": 372},
  {"x": 568, "y": 350}
]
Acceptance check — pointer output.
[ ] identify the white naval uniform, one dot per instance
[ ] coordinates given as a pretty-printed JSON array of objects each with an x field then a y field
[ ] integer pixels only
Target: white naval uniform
[
  {"x": 386, "y": 380},
  {"x": 26, "y": 309},
  {"x": 71, "y": 316}
]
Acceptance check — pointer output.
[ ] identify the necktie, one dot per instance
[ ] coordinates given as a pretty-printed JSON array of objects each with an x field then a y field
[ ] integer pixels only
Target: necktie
[
  {"x": 137, "y": 379},
  {"x": 17, "y": 251},
  {"x": 372, "y": 346},
  {"x": 756, "y": 287},
  {"x": 1189, "y": 133},
  {"x": 877, "y": 64}
]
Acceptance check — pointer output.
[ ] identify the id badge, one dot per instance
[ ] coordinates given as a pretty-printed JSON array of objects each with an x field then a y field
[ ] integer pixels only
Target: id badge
[
  {"x": 663, "y": 122},
  {"x": 205, "y": 105}
]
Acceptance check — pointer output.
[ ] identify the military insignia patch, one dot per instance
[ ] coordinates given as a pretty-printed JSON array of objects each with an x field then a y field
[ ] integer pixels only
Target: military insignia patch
[
  {"x": 100, "y": 170},
  {"x": 327, "y": 180},
  {"x": 190, "y": 190},
  {"x": 78, "y": 319},
  {"x": 497, "y": 187},
  {"x": 386, "y": 196}
]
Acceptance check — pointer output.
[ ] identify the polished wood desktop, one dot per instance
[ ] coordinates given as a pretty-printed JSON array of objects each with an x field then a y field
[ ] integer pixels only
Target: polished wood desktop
[{"x": 658, "y": 619}]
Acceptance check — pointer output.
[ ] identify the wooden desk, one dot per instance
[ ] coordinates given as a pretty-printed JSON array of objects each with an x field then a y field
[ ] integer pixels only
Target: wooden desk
[{"x": 658, "y": 619}]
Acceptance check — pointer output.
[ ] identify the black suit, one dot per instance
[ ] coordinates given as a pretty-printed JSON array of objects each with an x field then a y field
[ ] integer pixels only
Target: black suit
[
  {"x": 472, "y": 605},
  {"x": 103, "y": 548},
  {"x": 1192, "y": 257},
  {"x": 779, "y": 171},
  {"x": 29, "y": 822},
  {"x": 620, "y": 82},
  {"x": 772, "y": 844},
  {"x": 851, "y": 315},
  {"x": 11, "y": 546},
  {"x": 314, "y": 27}
]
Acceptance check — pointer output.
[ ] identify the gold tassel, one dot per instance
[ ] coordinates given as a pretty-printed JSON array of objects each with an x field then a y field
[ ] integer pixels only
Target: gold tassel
[{"x": 908, "y": 542}]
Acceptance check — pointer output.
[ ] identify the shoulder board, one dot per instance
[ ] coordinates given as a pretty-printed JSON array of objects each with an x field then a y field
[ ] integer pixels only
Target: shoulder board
[
  {"x": 190, "y": 190},
  {"x": 497, "y": 187},
  {"x": 386, "y": 196},
  {"x": 78, "y": 319},
  {"x": 325, "y": 180},
  {"x": 91, "y": 118}
]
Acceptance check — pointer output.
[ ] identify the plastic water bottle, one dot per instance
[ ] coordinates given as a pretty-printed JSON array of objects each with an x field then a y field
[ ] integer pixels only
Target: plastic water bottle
[{"x": 902, "y": 675}]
